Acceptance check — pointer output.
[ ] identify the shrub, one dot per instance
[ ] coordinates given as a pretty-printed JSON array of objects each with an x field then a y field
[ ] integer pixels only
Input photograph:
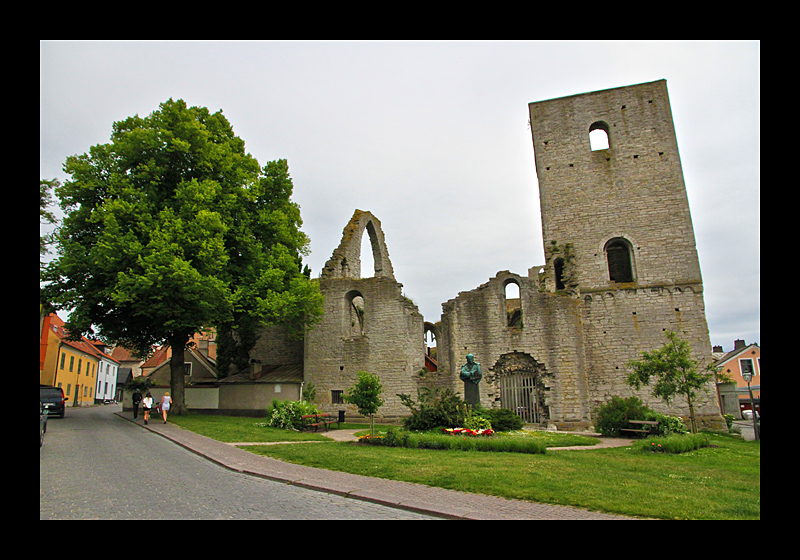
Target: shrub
[
  {"x": 476, "y": 421},
  {"x": 615, "y": 414},
  {"x": 667, "y": 424},
  {"x": 436, "y": 407},
  {"x": 728, "y": 420},
  {"x": 502, "y": 419},
  {"x": 288, "y": 414}
]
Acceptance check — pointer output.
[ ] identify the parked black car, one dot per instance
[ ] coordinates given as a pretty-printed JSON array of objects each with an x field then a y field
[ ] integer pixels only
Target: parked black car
[{"x": 53, "y": 399}]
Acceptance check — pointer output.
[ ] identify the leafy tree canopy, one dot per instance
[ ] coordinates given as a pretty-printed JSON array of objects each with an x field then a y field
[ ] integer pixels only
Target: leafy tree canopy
[
  {"x": 366, "y": 395},
  {"x": 171, "y": 228}
]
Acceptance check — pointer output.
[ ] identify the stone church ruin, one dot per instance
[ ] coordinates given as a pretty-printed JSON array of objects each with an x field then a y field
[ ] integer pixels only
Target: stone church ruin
[{"x": 621, "y": 268}]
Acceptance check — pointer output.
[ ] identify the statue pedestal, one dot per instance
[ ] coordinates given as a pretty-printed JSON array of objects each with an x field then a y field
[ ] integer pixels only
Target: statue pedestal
[{"x": 472, "y": 393}]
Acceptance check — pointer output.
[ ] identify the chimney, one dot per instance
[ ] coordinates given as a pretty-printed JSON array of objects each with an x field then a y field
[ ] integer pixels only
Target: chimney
[
  {"x": 738, "y": 344},
  {"x": 717, "y": 349}
]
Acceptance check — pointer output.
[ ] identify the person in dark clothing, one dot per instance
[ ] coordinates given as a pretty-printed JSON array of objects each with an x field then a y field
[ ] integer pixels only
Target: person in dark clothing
[{"x": 136, "y": 398}]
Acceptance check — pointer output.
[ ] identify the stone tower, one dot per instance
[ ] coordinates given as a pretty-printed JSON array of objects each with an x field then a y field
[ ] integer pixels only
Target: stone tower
[
  {"x": 621, "y": 204},
  {"x": 618, "y": 234}
]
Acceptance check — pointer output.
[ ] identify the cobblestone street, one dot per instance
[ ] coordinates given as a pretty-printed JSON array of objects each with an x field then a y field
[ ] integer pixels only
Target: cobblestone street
[{"x": 95, "y": 465}]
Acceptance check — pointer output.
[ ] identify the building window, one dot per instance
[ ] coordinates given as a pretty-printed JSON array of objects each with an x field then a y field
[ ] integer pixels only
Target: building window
[
  {"x": 620, "y": 261},
  {"x": 354, "y": 314},
  {"x": 513, "y": 304},
  {"x": 337, "y": 397},
  {"x": 598, "y": 136},
  {"x": 746, "y": 366},
  {"x": 558, "y": 266}
]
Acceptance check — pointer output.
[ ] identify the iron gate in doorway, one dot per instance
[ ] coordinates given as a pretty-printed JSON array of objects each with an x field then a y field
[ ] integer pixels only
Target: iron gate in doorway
[
  {"x": 520, "y": 385},
  {"x": 518, "y": 394}
]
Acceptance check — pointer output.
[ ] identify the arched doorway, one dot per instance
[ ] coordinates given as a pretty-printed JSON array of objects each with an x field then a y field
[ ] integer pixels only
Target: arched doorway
[{"x": 521, "y": 388}]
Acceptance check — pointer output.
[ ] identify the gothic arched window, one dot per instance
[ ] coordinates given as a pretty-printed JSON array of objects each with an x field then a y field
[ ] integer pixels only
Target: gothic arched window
[{"x": 619, "y": 255}]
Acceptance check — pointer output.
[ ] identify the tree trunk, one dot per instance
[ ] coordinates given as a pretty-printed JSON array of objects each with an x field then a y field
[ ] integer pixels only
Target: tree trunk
[
  {"x": 176, "y": 381},
  {"x": 691, "y": 416}
]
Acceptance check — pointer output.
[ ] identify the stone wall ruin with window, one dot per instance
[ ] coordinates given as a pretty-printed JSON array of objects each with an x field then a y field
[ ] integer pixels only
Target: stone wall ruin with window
[{"x": 621, "y": 268}]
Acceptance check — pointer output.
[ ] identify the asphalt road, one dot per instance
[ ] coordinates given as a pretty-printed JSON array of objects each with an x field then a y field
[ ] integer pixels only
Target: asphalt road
[{"x": 96, "y": 465}]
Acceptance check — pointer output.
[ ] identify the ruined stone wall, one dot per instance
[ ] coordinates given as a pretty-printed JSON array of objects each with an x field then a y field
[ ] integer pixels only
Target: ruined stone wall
[
  {"x": 549, "y": 331},
  {"x": 620, "y": 324},
  {"x": 621, "y": 269},
  {"x": 391, "y": 346},
  {"x": 368, "y": 325}
]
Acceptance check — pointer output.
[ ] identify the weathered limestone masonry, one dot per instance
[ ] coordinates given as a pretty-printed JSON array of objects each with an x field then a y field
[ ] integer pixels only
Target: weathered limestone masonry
[
  {"x": 618, "y": 236},
  {"x": 543, "y": 345},
  {"x": 621, "y": 269},
  {"x": 368, "y": 325}
]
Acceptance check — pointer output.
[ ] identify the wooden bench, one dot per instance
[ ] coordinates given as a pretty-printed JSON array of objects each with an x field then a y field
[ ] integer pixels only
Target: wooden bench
[
  {"x": 317, "y": 420},
  {"x": 642, "y": 427}
]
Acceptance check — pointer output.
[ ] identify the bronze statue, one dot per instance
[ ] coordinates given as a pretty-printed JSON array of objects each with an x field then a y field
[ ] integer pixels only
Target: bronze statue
[{"x": 471, "y": 375}]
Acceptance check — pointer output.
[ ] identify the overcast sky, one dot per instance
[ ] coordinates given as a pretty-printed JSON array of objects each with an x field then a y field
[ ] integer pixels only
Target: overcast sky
[{"x": 432, "y": 138}]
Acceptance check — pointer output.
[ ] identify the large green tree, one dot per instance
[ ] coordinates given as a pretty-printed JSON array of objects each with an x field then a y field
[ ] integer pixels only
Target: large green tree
[{"x": 172, "y": 228}]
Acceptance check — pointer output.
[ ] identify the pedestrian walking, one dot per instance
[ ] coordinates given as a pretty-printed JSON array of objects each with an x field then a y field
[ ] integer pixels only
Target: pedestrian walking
[
  {"x": 147, "y": 404},
  {"x": 137, "y": 399},
  {"x": 166, "y": 401}
]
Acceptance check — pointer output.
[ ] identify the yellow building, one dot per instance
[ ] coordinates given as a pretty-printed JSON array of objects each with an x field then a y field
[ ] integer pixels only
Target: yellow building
[{"x": 71, "y": 365}]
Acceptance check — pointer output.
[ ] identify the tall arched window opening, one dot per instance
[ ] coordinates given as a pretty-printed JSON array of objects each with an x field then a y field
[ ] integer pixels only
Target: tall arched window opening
[
  {"x": 354, "y": 315},
  {"x": 431, "y": 344},
  {"x": 513, "y": 304},
  {"x": 367, "y": 256},
  {"x": 598, "y": 136},
  {"x": 619, "y": 254}
]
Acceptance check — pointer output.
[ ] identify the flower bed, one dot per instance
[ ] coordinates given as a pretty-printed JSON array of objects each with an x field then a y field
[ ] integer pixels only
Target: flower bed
[{"x": 467, "y": 432}]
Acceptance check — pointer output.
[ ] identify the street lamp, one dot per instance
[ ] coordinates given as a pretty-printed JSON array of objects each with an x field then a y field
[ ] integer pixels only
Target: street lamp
[{"x": 748, "y": 376}]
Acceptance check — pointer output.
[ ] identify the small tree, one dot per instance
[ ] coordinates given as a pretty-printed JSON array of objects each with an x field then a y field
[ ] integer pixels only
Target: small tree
[
  {"x": 366, "y": 395},
  {"x": 675, "y": 371}
]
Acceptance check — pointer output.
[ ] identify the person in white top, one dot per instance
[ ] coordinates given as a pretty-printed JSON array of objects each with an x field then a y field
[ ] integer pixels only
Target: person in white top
[
  {"x": 147, "y": 404},
  {"x": 166, "y": 401}
]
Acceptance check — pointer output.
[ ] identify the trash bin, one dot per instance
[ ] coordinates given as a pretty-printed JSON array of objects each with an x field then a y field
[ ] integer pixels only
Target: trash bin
[{"x": 341, "y": 416}]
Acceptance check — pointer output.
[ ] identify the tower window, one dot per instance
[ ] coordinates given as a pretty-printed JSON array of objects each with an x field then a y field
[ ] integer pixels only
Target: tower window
[
  {"x": 620, "y": 266},
  {"x": 598, "y": 136},
  {"x": 513, "y": 304},
  {"x": 558, "y": 265}
]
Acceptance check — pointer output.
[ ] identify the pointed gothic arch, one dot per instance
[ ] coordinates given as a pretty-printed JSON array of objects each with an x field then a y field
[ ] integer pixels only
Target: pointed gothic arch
[{"x": 346, "y": 259}]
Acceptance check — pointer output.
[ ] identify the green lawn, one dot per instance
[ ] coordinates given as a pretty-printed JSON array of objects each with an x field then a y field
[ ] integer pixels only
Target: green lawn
[
  {"x": 719, "y": 482},
  {"x": 232, "y": 429}
]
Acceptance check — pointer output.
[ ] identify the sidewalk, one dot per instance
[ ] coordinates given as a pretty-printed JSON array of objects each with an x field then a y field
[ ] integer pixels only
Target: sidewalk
[{"x": 419, "y": 498}]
